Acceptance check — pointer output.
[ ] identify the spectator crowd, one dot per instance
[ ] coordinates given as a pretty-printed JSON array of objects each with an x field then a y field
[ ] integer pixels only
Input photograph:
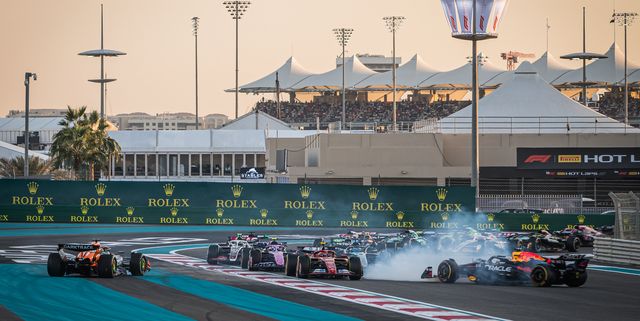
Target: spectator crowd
[{"x": 369, "y": 112}]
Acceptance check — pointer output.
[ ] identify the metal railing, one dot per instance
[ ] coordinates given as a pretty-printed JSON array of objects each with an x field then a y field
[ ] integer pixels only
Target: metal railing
[
  {"x": 548, "y": 204},
  {"x": 529, "y": 125},
  {"x": 617, "y": 251},
  {"x": 627, "y": 210}
]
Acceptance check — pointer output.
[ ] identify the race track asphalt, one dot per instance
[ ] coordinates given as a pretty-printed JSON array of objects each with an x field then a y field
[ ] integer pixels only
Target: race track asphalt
[{"x": 181, "y": 292}]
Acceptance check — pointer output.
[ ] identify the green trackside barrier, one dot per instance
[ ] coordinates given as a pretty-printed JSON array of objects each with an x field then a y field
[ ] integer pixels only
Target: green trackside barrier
[{"x": 287, "y": 205}]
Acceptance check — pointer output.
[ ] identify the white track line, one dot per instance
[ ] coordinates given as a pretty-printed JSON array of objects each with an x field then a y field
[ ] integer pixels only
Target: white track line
[{"x": 371, "y": 299}]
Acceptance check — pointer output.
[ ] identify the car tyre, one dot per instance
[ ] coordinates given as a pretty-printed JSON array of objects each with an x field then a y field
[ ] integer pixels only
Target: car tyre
[
  {"x": 56, "y": 265},
  {"x": 355, "y": 267},
  {"x": 448, "y": 271},
  {"x": 212, "y": 254},
  {"x": 573, "y": 244},
  {"x": 302, "y": 267},
  {"x": 255, "y": 257},
  {"x": 107, "y": 266},
  {"x": 290, "y": 264},
  {"x": 138, "y": 264},
  {"x": 542, "y": 276},
  {"x": 575, "y": 279},
  {"x": 244, "y": 258}
]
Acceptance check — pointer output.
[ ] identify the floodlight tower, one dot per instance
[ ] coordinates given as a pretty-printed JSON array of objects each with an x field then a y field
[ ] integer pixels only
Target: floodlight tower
[
  {"x": 27, "y": 141},
  {"x": 343, "y": 35},
  {"x": 393, "y": 23},
  {"x": 469, "y": 20},
  {"x": 584, "y": 56},
  {"x": 102, "y": 53},
  {"x": 625, "y": 19},
  {"x": 236, "y": 9},
  {"x": 195, "y": 23}
]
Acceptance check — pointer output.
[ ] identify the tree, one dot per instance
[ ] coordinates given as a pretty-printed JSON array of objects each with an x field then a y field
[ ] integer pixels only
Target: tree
[
  {"x": 83, "y": 144},
  {"x": 12, "y": 168}
]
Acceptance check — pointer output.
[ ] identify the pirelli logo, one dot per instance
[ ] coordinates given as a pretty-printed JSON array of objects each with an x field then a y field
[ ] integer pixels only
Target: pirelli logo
[{"x": 570, "y": 159}]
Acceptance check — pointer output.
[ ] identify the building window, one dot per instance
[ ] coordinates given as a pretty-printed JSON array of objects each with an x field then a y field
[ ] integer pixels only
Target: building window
[
  {"x": 206, "y": 164},
  {"x": 184, "y": 165},
  {"x": 117, "y": 166},
  {"x": 128, "y": 165},
  {"x": 140, "y": 166},
  {"x": 227, "y": 164},
  {"x": 261, "y": 161},
  {"x": 217, "y": 164},
  {"x": 151, "y": 165},
  {"x": 173, "y": 165},
  {"x": 195, "y": 165},
  {"x": 162, "y": 165}
]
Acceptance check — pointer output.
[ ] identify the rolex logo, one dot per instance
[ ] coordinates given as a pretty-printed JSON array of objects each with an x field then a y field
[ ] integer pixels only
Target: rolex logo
[
  {"x": 444, "y": 216},
  {"x": 168, "y": 189},
  {"x": 354, "y": 215},
  {"x": 219, "y": 212},
  {"x": 39, "y": 209},
  {"x": 130, "y": 210},
  {"x": 441, "y": 193},
  {"x": 490, "y": 217},
  {"x": 373, "y": 193},
  {"x": 33, "y": 187},
  {"x": 174, "y": 211},
  {"x": 581, "y": 219},
  {"x": 305, "y": 191},
  {"x": 100, "y": 189},
  {"x": 535, "y": 218},
  {"x": 237, "y": 190},
  {"x": 264, "y": 212},
  {"x": 309, "y": 214},
  {"x": 84, "y": 210},
  {"x": 400, "y": 215}
]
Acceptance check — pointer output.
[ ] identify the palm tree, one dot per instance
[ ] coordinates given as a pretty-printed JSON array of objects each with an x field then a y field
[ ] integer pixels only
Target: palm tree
[
  {"x": 83, "y": 144},
  {"x": 12, "y": 168}
]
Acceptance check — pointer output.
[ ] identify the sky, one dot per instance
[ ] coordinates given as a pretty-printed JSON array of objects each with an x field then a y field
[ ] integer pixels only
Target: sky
[{"x": 157, "y": 74}]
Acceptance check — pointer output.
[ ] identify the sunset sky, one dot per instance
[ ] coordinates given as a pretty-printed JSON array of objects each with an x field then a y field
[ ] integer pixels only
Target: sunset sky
[{"x": 157, "y": 74}]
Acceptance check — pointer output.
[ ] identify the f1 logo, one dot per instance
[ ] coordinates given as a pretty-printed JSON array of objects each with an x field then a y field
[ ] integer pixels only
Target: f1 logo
[{"x": 537, "y": 159}]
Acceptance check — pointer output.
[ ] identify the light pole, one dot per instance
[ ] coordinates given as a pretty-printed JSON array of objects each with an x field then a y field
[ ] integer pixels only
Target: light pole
[
  {"x": 584, "y": 56},
  {"x": 393, "y": 23},
  {"x": 625, "y": 19},
  {"x": 102, "y": 53},
  {"x": 195, "y": 21},
  {"x": 343, "y": 35},
  {"x": 236, "y": 9},
  {"x": 461, "y": 16},
  {"x": 27, "y": 82}
]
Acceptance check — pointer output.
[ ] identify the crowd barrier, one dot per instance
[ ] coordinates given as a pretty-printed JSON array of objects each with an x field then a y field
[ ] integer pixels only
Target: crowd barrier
[{"x": 286, "y": 205}]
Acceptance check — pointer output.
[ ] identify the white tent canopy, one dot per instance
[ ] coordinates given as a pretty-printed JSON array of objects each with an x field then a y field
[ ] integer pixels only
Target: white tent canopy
[
  {"x": 409, "y": 75},
  {"x": 549, "y": 68},
  {"x": 355, "y": 72},
  {"x": 289, "y": 74},
  {"x": 256, "y": 120},
  {"x": 609, "y": 70},
  {"x": 178, "y": 141},
  {"x": 528, "y": 104},
  {"x": 461, "y": 76},
  {"x": 9, "y": 151}
]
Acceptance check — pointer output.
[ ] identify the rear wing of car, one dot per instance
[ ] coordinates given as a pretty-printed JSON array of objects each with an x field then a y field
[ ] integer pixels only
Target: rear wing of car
[{"x": 75, "y": 247}]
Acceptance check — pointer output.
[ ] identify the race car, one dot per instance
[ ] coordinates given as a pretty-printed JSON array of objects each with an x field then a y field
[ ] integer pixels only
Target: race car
[
  {"x": 543, "y": 241},
  {"x": 585, "y": 235},
  {"x": 323, "y": 263},
  {"x": 94, "y": 260},
  {"x": 269, "y": 256},
  {"x": 520, "y": 268},
  {"x": 228, "y": 252}
]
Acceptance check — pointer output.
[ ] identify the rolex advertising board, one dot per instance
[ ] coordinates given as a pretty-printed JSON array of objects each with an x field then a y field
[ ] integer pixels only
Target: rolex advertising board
[{"x": 203, "y": 203}]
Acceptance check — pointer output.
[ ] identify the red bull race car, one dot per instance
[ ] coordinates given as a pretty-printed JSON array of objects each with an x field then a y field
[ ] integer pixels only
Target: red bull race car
[
  {"x": 520, "y": 268},
  {"x": 94, "y": 260},
  {"x": 323, "y": 263}
]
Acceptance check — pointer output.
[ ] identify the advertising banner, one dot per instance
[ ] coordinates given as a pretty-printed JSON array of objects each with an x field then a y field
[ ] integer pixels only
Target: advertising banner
[
  {"x": 286, "y": 205},
  {"x": 579, "y": 158}
]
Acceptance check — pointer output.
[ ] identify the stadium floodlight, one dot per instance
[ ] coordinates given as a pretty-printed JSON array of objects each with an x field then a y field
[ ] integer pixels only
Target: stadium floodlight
[
  {"x": 393, "y": 23},
  {"x": 343, "y": 35},
  {"x": 236, "y": 9},
  {"x": 625, "y": 19},
  {"x": 27, "y": 141},
  {"x": 195, "y": 22},
  {"x": 470, "y": 20}
]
